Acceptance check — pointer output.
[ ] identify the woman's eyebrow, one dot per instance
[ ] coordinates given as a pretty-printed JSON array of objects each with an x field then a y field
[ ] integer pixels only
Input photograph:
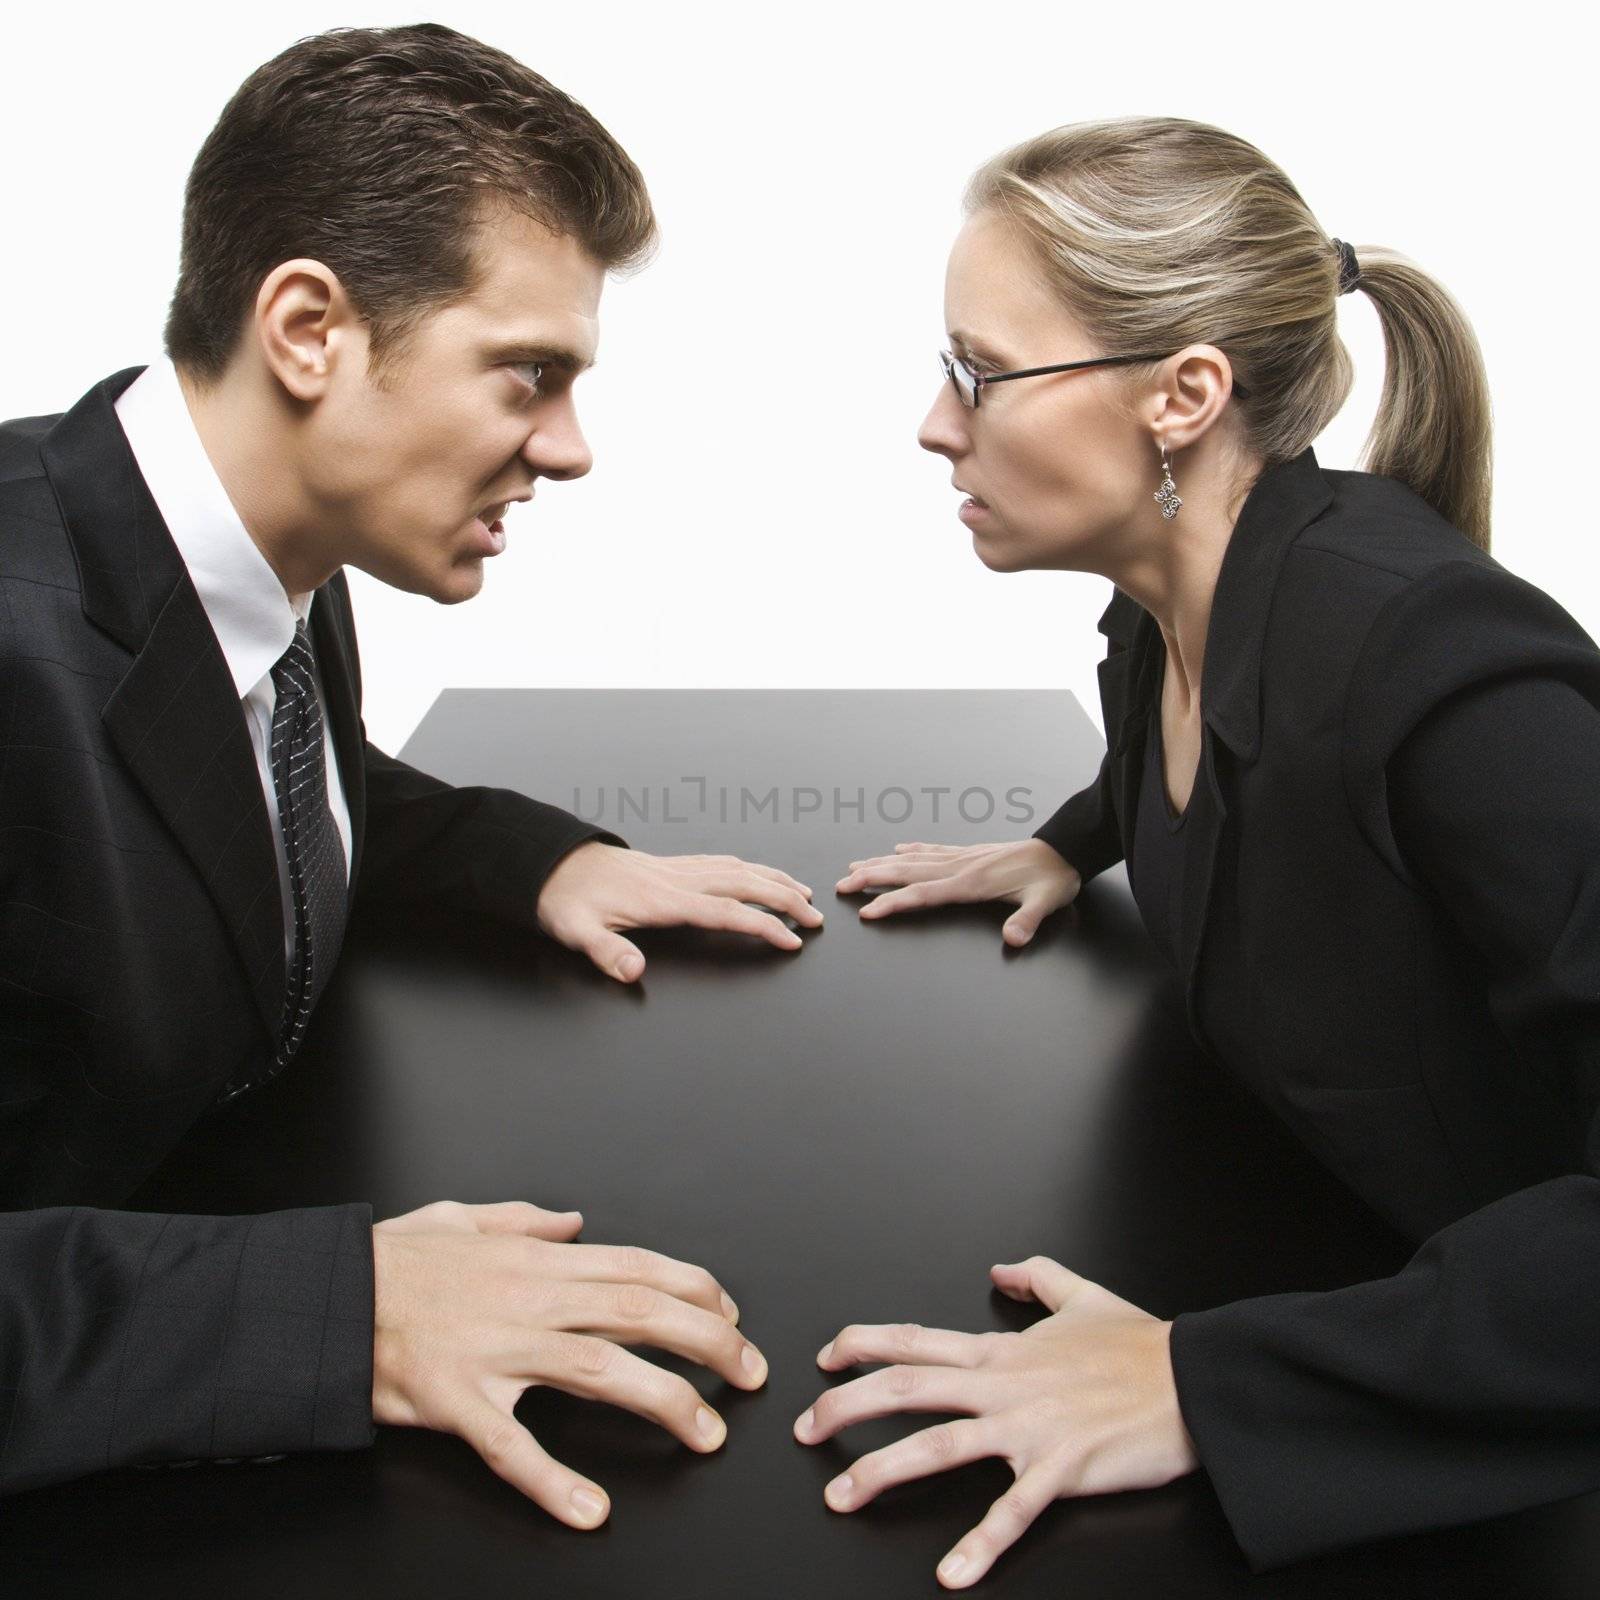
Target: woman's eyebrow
[{"x": 965, "y": 344}]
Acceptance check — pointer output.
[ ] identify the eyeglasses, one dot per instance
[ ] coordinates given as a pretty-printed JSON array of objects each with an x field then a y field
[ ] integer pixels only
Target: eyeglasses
[{"x": 968, "y": 383}]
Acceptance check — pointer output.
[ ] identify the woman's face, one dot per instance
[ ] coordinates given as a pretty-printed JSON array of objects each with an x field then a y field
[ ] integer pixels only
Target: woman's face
[{"x": 1056, "y": 467}]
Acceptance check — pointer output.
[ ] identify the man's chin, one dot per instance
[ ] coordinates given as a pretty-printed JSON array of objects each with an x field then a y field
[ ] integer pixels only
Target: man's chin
[{"x": 462, "y": 582}]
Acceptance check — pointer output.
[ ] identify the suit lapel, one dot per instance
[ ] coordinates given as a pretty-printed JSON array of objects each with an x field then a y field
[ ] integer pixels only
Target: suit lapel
[
  {"x": 175, "y": 717},
  {"x": 1130, "y": 684},
  {"x": 334, "y": 640},
  {"x": 176, "y": 722}
]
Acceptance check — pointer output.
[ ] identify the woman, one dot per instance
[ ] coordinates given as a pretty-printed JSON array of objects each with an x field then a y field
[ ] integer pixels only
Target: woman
[{"x": 1353, "y": 766}]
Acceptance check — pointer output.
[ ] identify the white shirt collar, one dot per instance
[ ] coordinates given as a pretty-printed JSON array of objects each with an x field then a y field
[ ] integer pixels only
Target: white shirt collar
[{"x": 251, "y": 615}]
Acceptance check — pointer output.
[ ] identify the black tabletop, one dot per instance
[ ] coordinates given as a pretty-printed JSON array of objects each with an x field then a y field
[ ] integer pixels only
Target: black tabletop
[{"x": 851, "y": 1133}]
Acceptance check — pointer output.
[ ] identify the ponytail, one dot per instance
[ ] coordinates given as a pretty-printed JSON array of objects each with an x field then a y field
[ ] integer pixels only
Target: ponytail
[{"x": 1433, "y": 428}]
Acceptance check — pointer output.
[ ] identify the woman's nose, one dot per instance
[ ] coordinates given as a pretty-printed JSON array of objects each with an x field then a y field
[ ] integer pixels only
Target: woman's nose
[{"x": 944, "y": 429}]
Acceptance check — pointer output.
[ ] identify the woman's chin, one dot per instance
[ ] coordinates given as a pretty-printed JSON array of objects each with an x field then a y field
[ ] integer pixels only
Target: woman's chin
[{"x": 996, "y": 553}]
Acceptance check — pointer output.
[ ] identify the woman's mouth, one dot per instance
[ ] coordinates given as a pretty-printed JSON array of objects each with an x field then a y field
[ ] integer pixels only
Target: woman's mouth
[{"x": 972, "y": 508}]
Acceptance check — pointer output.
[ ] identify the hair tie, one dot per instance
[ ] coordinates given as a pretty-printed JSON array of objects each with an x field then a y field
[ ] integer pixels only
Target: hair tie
[{"x": 1349, "y": 268}]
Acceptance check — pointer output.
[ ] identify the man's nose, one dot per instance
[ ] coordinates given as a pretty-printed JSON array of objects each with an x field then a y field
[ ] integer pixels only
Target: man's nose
[
  {"x": 556, "y": 448},
  {"x": 944, "y": 429}
]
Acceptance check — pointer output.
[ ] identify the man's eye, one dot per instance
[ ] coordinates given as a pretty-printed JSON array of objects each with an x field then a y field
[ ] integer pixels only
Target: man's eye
[{"x": 529, "y": 372}]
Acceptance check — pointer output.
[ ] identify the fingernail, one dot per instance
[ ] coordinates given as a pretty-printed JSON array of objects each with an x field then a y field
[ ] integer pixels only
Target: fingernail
[
  {"x": 729, "y": 1309},
  {"x": 838, "y": 1491},
  {"x": 824, "y": 1353},
  {"x": 953, "y": 1565},
  {"x": 806, "y": 1423},
  {"x": 588, "y": 1505},
  {"x": 712, "y": 1428},
  {"x": 752, "y": 1361}
]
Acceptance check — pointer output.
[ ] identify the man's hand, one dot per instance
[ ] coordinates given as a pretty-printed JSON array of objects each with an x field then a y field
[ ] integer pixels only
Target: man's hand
[
  {"x": 475, "y": 1304},
  {"x": 1081, "y": 1403},
  {"x": 1027, "y": 872},
  {"x": 599, "y": 888}
]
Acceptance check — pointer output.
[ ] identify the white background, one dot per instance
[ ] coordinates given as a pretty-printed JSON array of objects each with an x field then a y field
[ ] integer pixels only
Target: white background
[{"x": 759, "y": 513}]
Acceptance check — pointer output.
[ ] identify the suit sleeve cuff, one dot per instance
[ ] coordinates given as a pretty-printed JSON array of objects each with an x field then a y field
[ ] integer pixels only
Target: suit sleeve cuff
[
  {"x": 296, "y": 1370},
  {"x": 1270, "y": 1506},
  {"x": 517, "y": 844},
  {"x": 1079, "y": 835}
]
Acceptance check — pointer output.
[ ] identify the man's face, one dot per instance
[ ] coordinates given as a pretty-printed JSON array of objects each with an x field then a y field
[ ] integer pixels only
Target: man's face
[{"x": 411, "y": 469}]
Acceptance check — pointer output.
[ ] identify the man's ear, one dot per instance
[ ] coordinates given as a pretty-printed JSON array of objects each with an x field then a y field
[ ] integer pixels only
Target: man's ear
[
  {"x": 305, "y": 324},
  {"x": 1190, "y": 394}
]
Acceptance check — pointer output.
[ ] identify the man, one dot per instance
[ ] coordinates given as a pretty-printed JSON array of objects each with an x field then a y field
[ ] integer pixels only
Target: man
[{"x": 394, "y": 246}]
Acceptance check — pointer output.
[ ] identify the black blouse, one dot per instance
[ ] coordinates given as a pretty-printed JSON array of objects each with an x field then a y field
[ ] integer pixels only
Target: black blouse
[{"x": 1155, "y": 863}]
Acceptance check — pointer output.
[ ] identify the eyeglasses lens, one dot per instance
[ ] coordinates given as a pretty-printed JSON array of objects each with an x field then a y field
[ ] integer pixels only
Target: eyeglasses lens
[{"x": 957, "y": 371}]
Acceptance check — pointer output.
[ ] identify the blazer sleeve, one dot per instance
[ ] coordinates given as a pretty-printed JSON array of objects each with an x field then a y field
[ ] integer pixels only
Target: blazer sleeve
[
  {"x": 477, "y": 849},
  {"x": 1468, "y": 1384},
  {"x": 130, "y": 1338},
  {"x": 1084, "y": 832}
]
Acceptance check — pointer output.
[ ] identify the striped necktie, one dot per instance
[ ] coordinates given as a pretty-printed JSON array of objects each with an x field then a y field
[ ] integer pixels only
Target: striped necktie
[{"x": 311, "y": 846}]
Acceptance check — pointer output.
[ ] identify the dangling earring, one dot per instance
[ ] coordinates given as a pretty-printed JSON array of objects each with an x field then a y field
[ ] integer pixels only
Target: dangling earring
[{"x": 1167, "y": 494}]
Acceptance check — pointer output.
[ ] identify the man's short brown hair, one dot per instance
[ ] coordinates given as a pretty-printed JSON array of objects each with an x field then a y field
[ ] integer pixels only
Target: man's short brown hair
[{"x": 375, "y": 152}]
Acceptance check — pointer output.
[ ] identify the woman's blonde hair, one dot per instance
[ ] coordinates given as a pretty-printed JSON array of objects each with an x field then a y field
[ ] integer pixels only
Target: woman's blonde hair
[{"x": 1158, "y": 232}]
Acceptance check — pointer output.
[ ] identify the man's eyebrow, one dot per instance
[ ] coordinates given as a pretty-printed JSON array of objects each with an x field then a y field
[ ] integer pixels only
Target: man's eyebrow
[{"x": 544, "y": 355}]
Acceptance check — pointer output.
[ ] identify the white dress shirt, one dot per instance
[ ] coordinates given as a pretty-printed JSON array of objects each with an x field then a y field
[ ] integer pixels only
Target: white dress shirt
[{"x": 249, "y": 611}]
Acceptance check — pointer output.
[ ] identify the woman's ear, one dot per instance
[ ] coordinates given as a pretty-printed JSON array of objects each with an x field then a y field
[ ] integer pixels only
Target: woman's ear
[{"x": 1190, "y": 394}]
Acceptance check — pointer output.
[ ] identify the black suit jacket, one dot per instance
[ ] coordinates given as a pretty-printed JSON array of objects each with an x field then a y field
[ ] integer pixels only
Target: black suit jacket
[
  {"x": 1390, "y": 929},
  {"x": 142, "y": 969}
]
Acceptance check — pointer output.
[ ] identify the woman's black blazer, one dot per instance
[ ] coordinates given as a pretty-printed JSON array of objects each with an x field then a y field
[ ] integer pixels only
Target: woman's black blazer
[{"x": 1390, "y": 928}]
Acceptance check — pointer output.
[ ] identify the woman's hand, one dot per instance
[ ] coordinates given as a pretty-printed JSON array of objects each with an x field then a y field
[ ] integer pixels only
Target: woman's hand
[
  {"x": 1026, "y": 872},
  {"x": 1081, "y": 1403},
  {"x": 474, "y": 1304}
]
